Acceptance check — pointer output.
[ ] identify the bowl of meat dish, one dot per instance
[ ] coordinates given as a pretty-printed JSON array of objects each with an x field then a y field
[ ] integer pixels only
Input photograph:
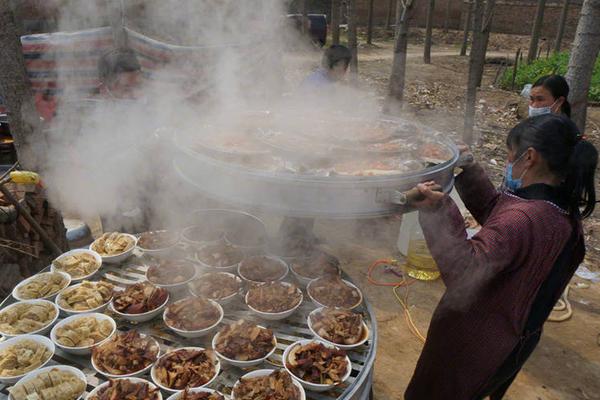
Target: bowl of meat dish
[
  {"x": 158, "y": 243},
  {"x": 193, "y": 317},
  {"x": 197, "y": 394},
  {"x": 172, "y": 275},
  {"x": 318, "y": 264},
  {"x": 246, "y": 232},
  {"x": 333, "y": 291},
  {"x": 222, "y": 287},
  {"x": 114, "y": 247},
  {"x": 260, "y": 269},
  {"x": 274, "y": 300},
  {"x": 42, "y": 286},
  {"x": 204, "y": 234},
  {"x": 28, "y": 317},
  {"x": 85, "y": 297},
  {"x": 187, "y": 367},
  {"x": 56, "y": 382},
  {"x": 79, "y": 334},
  {"x": 342, "y": 328},
  {"x": 244, "y": 344},
  {"x": 23, "y": 354},
  {"x": 221, "y": 257},
  {"x": 267, "y": 384},
  {"x": 125, "y": 354},
  {"x": 79, "y": 264},
  {"x": 125, "y": 388},
  {"x": 139, "y": 302},
  {"x": 318, "y": 366}
]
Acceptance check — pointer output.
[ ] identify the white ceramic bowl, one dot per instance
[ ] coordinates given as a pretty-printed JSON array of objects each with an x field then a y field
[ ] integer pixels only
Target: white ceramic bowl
[
  {"x": 324, "y": 305},
  {"x": 142, "y": 317},
  {"x": 164, "y": 251},
  {"x": 243, "y": 364},
  {"x": 278, "y": 315},
  {"x": 365, "y": 333},
  {"x": 225, "y": 300},
  {"x": 233, "y": 268},
  {"x": 66, "y": 368},
  {"x": 83, "y": 350},
  {"x": 15, "y": 292},
  {"x": 133, "y": 374},
  {"x": 197, "y": 333},
  {"x": 263, "y": 372},
  {"x": 185, "y": 235},
  {"x": 302, "y": 280},
  {"x": 117, "y": 258},
  {"x": 175, "y": 288},
  {"x": 68, "y": 311},
  {"x": 40, "y": 331},
  {"x": 79, "y": 251},
  {"x": 315, "y": 387},
  {"x": 177, "y": 395},
  {"x": 217, "y": 365},
  {"x": 284, "y": 268},
  {"x": 132, "y": 379},
  {"x": 44, "y": 341}
]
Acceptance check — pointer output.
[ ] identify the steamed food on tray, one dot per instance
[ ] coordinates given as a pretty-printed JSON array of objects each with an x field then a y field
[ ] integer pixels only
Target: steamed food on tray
[
  {"x": 332, "y": 291},
  {"x": 170, "y": 272},
  {"x": 42, "y": 285},
  {"x": 83, "y": 331},
  {"x": 23, "y": 356},
  {"x": 319, "y": 264},
  {"x": 125, "y": 353},
  {"x": 338, "y": 326},
  {"x": 216, "y": 285},
  {"x": 262, "y": 269},
  {"x": 77, "y": 265},
  {"x": 157, "y": 240},
  {"x": 244, "y": 341},
  {"x": 55, "y": 384},
  {"x": 190, "y": 395},
  {"x": 112, "y": 244},
  {"x": 192, "y": 314},
  {"x": 192, "y": 367},
  {"x": 316, "y": 363},
  {"x": 139, "y": 298},
  {"x": 274, "y": 297},
  {"x": 86, "y": 296},
  {"x": 126, "y": 389},
  {"x": 26, "y": 317},
  {"x": 278, "y": 385},
  {"x": 220, "y": 255}
]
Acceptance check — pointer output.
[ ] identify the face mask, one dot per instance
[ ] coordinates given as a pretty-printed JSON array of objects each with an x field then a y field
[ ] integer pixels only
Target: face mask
[
  {"x": 534, "y": 112},
  {"x": 510, "y": 183}
]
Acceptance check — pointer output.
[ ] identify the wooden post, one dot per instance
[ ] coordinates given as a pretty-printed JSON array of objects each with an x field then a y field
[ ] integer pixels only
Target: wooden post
[
  {"x": 467, "y": 28},
  {"x": 447, "y": 16},
  {"x": 335, "y": 21},
  {"x": 428, "y": 32},
  {"x": 352, "y": 38},
  {"x": 561, "y": 26},
  {"x": 370, "y": 23},
  {"x": 515, "y": 68},
  {"x": 535, "y": 32}
]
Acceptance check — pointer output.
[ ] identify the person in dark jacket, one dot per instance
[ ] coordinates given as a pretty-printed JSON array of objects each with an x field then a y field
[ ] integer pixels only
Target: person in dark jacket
[
  {"x": 502, "y": 284},
  {"x": 334, "y": 66}
]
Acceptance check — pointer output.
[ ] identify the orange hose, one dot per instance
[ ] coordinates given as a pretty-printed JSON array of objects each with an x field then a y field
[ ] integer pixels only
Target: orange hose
[{"x": 377, "y": 263}]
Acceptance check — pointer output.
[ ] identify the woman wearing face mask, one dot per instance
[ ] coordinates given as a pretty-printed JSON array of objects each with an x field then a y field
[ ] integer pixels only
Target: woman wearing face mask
[
  {"x": 549, "y": 96},
  {"x": 503, "y": 282}
]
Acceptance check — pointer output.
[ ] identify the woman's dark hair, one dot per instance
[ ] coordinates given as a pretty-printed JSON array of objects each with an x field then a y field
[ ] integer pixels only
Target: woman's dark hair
[
  {"x": 558, "y": 86},
  {"x": 568, "y": 156},
  {"x": 336, "y": 53},
  {"x": 116, "y": 61}
]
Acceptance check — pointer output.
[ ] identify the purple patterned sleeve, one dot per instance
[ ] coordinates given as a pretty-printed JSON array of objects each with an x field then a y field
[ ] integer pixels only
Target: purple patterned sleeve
[{"x": 477, "y": 192}]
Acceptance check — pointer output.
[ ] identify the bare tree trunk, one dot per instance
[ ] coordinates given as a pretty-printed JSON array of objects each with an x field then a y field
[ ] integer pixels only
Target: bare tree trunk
[
  {"x": 584, "y": 52},
  {"x": 370, "y": 23},
  {"x": 447, "y": 16},
  {"x": 352, "y": 39},
  {"x": 535, "y": 32},
  {"x": 335, "y": 21},
  {"x": 428, "y": 32},
  {"x": 397, "y": 79},
  {"x": 561, "y": 26},
  {"x": 467, "y": 28},
  {"x": 14, "y": 87},
  {"x": 477, "y": 53},
  {"x": 304, "y": 12},
  {"x": 390, "y": 12},
  {"x": 486, "y": 28}
]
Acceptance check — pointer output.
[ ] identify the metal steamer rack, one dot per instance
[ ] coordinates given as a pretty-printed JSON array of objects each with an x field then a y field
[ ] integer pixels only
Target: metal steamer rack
[{"x": 292, "y": 329}]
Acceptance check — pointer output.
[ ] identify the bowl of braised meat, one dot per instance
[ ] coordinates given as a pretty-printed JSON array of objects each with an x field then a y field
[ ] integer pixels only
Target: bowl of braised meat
[
  {"x": 193, "y": 317},
  {"x": 315, "y": 266},
  {"x": 139, "y": 302},
  {"x": 260, "y": 269},
  {"x": 197, "y": 394},
  {"x": 173, "y": 274},
  {"x": 187, "y": 367},
  {"x": 158, "y": 243},
  {"x": 333, "y": 291},
  {"x": 125, "y": 354},
  {"x": 125, "y": 388},
  {"x": 274, "y": 300},
  {"x": 244, "y": 344},
  {"x": 343, "y": 328},
  {"x": 222, "y": 287},
  {"x": 267, "y": 384},
  {"x": 221, "y": 256}
]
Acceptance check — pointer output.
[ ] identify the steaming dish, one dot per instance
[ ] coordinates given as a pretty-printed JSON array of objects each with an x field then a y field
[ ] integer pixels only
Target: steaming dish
[
  {"x": 319, "y": 264},
  {"x": 278, "y": 385},
  {"x": 244, "y": 341},
  {"x": 171, "y": 272},
  {"x": 332, "y": 291},
  {"x": 231, "y": 143},
  {"x": 126, "y": 389},
  {"x": 42, "y": 285},
  {"x": 274, "y": 297},
  {"x": 23, "y": 318},
  {"x": 83, "y": 332},
  {"x": 23, "y": 356},
  {"x": 189, "y": 395},
  {"x": 220, "y": 255},
  {"x": 204, "y": 233},
  {"x": 85, "y": 296},
  {"x": 184, "y": 368},
  {"x": 262, "y": 269},
  {"x": 140, "y": 298},
  {"x": 216, "y": 285},
  {"x": 192, "y": 314},
  {"x": 157, "y": 240},
  {"x": 55, "y": 384},
  {"x": 125, "y": 353},
  {"x": 338, "y": 326},
  {"x": 77, "y": 265},
  {"x": 112, "y": 244},
  {"x": 317, "y": 363}
]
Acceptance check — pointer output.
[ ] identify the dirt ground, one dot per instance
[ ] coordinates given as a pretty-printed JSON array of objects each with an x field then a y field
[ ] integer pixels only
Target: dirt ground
[{"x": 566, "y": 364}]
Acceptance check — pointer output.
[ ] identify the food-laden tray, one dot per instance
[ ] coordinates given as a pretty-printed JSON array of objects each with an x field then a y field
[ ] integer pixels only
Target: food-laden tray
[{"x": 287, "y": 331}]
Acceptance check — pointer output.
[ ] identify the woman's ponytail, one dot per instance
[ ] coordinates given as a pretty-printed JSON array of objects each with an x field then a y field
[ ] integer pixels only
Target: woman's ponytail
[
  {"x": 579, "y": 180},
  {"x": 565, "y": 108}
]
